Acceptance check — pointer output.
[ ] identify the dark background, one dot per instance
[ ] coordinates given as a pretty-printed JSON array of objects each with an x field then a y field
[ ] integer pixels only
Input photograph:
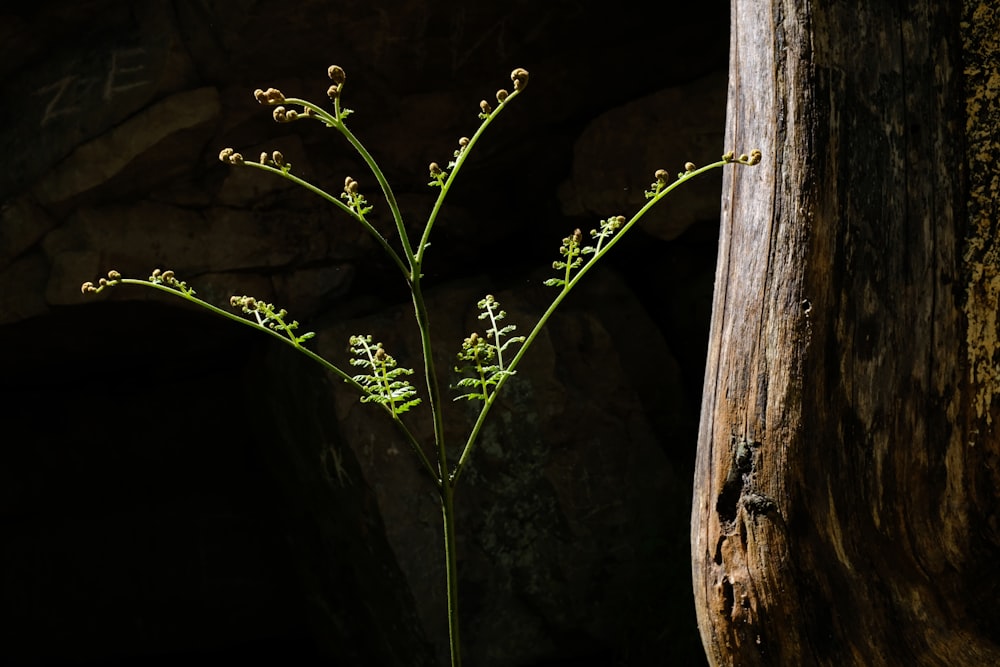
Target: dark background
[{"x": 149, "y": 517}]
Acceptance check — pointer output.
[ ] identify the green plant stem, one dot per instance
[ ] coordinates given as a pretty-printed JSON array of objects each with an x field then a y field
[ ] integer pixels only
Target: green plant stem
[
  {"x": 459, "y": 161},
  {"x": 430, "y": 377},
  {"x": 451, "y": 569},
  {"x": 390, "y": 198},
  {"x": 496, "y": 335},
  {"x": 413, "y": 274},
  {"x": 382, "y": 241},
  {"x": 336, "y": 121},
  {"x": 482, "y": 376},
  {"x": 430, "y": 374},
  {"x": 566, "y": 288}
]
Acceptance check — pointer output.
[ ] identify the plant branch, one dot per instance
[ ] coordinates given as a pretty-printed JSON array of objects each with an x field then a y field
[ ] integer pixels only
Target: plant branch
[
  {"x": 459, "y": 161},
  {"x": 603, "y": 248},
  {"x": 382, "y": 241},
  {"x": 287, "y": 338}
]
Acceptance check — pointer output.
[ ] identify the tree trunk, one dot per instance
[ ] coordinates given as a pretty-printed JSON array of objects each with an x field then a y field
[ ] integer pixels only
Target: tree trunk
[{"x": 846, "y": 506}]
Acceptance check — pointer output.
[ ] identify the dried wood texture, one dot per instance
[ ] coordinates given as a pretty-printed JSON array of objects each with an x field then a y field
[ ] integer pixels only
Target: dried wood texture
[{"x": 846, "y": 503}]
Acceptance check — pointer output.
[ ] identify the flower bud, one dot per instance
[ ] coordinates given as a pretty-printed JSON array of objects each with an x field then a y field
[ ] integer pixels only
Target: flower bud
[
  {"x": 336, "y": 74},
  {"x": 520, "y": 78},
  {"x": 271, "y": 96},
  {"x": 230, "y": 156}
]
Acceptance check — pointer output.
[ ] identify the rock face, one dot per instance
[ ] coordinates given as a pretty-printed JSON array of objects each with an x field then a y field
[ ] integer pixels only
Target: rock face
[
  {"x": 567, "y": 515},
  {"x": 655, "y": 131},
  {"x": 573, "y": 525}
]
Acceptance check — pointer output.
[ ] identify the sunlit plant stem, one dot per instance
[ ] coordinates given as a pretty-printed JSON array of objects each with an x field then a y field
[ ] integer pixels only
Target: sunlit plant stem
[{"x": 485, "y": 361}]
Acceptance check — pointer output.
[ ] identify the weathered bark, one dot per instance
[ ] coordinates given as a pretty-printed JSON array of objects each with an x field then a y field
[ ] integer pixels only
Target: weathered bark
[{"x": 846, "y": 501}]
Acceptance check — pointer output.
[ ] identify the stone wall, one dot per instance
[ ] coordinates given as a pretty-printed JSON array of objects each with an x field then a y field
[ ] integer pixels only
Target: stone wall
[{"x": 144, "y": 423}]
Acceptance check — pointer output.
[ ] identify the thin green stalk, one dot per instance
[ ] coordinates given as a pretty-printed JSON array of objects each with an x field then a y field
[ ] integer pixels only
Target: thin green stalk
[
  {"x": 459, "y": 161},
  {"x": 413, "y": 275},
  {"x": 412, "y": 272},
  {"x": 496, "y": 335},
  {"x": 336, "y": 121},
  {"x": 600, "y": 251},
  {"x": 423, "y": 323},
  {"x": 451, "y": 569},
  {"x": 382, "y": 241},
  {"x": 430, "y": 377},
  {"x": 390, "y": 198}
]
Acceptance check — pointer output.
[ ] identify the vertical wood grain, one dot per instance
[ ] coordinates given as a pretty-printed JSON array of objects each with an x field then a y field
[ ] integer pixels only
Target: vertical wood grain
[{"x": 840, "y": 515}]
